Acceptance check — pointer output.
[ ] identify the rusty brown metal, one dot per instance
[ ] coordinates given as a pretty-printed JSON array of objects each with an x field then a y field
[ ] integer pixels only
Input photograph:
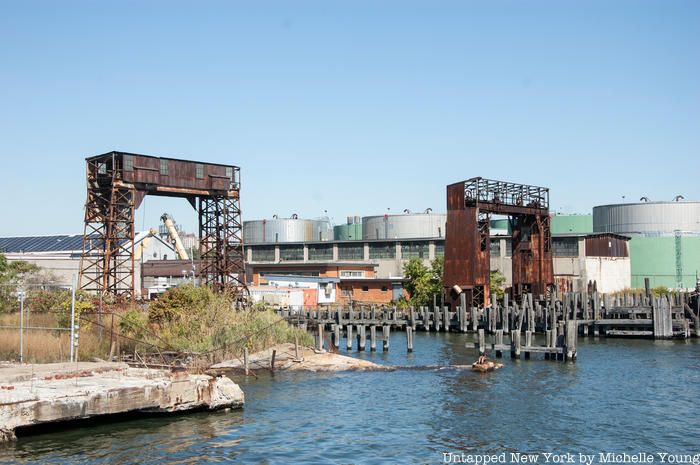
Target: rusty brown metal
[
  {"x": 607, "y": 245},
  {"x": 470, "y": 205},
  {"x": 117, "y": 183}
]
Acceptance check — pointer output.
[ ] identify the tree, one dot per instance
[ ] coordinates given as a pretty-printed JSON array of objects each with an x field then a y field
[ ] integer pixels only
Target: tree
[
  {"x": 497, "y": 283},
  {"x": 423, "y": 282},
  {"x": 12, "y": 276}
]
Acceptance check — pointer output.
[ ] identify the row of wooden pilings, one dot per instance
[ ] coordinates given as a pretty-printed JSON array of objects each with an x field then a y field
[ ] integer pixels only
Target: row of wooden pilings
[{"x": 360, "y": 331}]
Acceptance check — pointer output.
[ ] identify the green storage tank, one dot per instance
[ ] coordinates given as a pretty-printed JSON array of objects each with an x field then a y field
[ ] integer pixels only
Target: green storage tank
[
  {"x": 500, "y": 224},
  {"x": 656, "y": 258},
  {"x": 572, "y": 224},
  {"x": 348, "y": 232}
]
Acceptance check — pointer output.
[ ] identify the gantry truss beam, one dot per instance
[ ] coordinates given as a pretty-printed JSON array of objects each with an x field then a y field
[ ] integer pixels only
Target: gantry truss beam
[
  {"x": 117, "y": 182},
  {"x": 470, "y": 205}
]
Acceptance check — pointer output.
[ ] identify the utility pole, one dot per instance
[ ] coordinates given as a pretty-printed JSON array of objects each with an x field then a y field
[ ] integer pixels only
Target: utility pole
[{"x": 20, "y": 298}]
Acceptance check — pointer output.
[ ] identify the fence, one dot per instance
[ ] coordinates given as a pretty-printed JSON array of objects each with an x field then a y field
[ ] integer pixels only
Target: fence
[{"x": 38, "y": 323}]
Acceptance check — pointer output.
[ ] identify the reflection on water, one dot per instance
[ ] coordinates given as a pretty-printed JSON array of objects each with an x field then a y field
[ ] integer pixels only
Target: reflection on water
[{"x": 620, "y": 396}]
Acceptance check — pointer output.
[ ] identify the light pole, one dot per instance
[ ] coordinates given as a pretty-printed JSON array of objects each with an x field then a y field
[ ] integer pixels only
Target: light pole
[{"x": 20, "y": 298}]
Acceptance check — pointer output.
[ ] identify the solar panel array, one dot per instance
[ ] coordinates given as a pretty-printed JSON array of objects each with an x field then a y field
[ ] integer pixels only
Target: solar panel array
[{"x": 30, "y": 244}]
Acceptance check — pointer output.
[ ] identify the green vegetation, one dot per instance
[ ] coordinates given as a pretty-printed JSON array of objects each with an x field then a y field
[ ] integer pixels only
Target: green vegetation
[
  {"x": 195, "y": 319},
  {"x": 12, "y": 275},
  {"x": 423, "y": 282},
  {"x": 497, "y": 284},
  {"x": 186, "y": 319}
]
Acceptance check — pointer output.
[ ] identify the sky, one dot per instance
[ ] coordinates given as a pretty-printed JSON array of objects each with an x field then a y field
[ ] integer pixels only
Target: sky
[{"x": 349, "y": 107}]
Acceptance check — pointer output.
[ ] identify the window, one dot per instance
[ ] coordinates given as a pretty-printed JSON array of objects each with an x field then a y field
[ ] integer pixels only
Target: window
[
  {"x": 440, "y": 250},
  {"x": 229, "y": 172},
  {"x": 352, "y": 274},
  {"x": 365, "y": 288},
  {"x": 495, "y": 247},
  {"x": 351, "y": 252},
  {"x": 163, "y": 167},
  {"x": 509, "y": 248},
  {"x": 292, "y": 253},
  {"x": 102, "y": 168},
  {"x": 414, "y": 250},
  {"x": 384, "y": 289},
  {"x": 382, "y": 250},
  {"x": 321, "y": 252},
  {"x": 263, "y": 254},
  {"x": 199, "y": 168},
  {"x": 128, "y": 163},
  {"x": 565, "y": 247}
]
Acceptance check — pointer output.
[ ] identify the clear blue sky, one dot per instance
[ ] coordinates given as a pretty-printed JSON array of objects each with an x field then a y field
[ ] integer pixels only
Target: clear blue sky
[{"x": 351, "y": 107}]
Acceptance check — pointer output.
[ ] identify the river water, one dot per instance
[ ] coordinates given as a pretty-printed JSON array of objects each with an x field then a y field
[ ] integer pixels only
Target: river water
[{"x": 620, "y": 396}]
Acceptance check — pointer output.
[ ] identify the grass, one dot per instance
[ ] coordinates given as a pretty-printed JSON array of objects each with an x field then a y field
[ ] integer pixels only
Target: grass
[
  {"x": 185, "y": 319},
  {"x": 47, "y": 346}
]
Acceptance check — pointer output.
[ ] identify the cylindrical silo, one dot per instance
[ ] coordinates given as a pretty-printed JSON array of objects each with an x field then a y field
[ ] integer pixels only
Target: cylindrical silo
[
  {"x": 406, "y": 226},
  {"x": 280, "y": 230}
]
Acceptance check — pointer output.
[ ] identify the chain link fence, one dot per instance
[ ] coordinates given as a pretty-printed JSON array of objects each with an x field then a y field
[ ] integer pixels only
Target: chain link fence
[{"x": 38, "y": 323}]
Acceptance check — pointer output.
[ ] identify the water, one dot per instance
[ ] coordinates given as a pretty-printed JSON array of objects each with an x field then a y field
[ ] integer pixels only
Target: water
[{"x": 621, "y": 396}]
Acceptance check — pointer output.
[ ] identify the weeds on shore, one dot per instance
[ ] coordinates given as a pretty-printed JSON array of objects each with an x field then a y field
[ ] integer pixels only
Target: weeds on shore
[{"x": 185, "y": 319}]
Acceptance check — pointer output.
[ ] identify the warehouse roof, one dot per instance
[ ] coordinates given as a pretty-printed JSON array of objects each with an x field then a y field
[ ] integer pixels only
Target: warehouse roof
[
  {"x": 59, "y": 243},
  {"x": 29, "y": 244}
]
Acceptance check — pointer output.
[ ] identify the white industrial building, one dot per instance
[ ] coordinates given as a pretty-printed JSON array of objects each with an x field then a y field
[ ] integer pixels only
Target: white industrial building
[{"x": 60, "y": 255}]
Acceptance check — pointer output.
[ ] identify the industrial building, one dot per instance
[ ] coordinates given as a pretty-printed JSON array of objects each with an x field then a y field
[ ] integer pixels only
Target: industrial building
[
  {"x": 60, "y": 255},
  {"x": 370, "y": 269},
  {"x": 665, "y": 239}
]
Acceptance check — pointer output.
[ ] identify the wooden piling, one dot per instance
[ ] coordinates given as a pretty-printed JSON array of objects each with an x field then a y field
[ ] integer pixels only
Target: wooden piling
[
  {"x": 482, "y": 341},
  {"x": 499, "y": 342},
  {"x": 515, "y": 344},
  {"x": 385, "y": 342},
  {"x": 336, "y": 336},
  {"x": 409, "y": 339},
  {"x": 245, "y": 360},
  {"x": 272, "y": 361},
  {"x": 528, "y": 343},
  {"x": 373, "y": 338},
  {"x": 348, "y": 343},
  {"x": 571, "y": 335},
  {"x": 463, "y": 312},
  {"x": 319, "y": 342}
]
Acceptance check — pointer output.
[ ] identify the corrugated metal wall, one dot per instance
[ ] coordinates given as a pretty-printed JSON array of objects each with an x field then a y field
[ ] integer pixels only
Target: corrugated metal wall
[
  {"x": 652, "y": 218},
  {"x": 407, "y": 226}
]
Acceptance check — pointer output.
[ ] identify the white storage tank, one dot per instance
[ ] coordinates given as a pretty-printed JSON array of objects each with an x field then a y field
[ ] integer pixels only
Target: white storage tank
[
  {"x": 406, "y": 226},
  {"x": 648, "y": 218},
  {"x": 280, "y": 230}
]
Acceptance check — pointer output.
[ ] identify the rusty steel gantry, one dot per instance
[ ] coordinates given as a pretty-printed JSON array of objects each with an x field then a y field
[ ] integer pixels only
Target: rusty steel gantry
[
  {"x": 117, "y": 183},
  {"x": 470, "y": 205}
]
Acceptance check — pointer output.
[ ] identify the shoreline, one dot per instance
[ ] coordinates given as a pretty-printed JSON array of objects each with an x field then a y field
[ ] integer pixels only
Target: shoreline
[{"x": 45, "y": 394}]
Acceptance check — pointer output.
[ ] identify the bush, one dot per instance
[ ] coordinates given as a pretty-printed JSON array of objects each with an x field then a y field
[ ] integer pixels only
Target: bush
[{"x": 194, "y": 319}]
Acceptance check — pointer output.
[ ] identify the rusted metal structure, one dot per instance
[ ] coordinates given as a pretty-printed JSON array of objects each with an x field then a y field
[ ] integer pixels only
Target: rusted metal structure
[
  {"x": 117, "y": 183},
  {"x": 470, "y": 205}
]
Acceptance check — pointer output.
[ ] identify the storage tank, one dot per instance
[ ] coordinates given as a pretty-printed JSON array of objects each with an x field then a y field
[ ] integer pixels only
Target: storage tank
[
  {"x": 352, "y": 231},
  {"x": 500, "y": 227},
  {"x": 568, "y": 224},
  {"x": 406, "y": 226},
  {"x": 648, "y": 218},
  {"x": 292, "y": 229},
  {"x": 665, "y": 244}
]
